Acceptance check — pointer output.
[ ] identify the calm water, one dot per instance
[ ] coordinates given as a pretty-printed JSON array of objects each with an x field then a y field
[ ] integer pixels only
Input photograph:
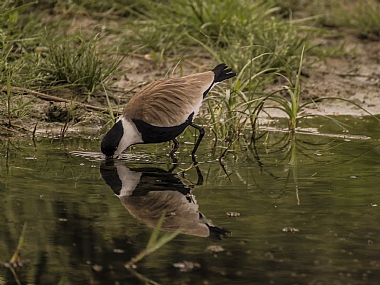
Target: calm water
[{"x": 85, "y": 222}]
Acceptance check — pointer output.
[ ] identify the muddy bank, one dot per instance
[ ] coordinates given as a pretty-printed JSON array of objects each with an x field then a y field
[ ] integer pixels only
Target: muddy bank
[{"x": 355, "y": 77}]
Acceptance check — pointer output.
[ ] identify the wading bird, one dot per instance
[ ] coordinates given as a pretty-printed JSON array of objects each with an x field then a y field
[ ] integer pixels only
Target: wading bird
[{"x": 162, "y": 110}]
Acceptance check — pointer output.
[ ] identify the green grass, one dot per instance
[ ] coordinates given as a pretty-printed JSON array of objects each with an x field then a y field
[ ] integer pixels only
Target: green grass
[
  {"x": 231, "y": 31},
  {"x": 362, "y": 16},
  {"x": 291, "y": 107},
  {"x": 38, "y": 50},
  {"x": 37, "y": 53},
  {"x": 155, "y": 242},
  {"x": 76, "y": 61},
  {"x": 233, "y": 110}
]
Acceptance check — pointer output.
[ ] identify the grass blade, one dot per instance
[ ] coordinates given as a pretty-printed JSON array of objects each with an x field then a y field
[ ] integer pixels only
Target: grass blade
[{"x": 154, "y": 242}]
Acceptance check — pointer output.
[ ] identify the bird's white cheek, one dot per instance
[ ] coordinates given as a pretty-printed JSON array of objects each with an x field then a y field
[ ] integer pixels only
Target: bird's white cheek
[{"x": 131, "y": 136}]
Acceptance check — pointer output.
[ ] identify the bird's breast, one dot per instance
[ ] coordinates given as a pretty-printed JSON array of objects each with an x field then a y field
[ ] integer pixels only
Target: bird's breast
[{"x": 155, "y": 134}]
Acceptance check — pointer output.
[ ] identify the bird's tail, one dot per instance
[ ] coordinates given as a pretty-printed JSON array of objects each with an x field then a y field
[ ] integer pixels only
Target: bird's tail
[{"x": 222, "y": 72}]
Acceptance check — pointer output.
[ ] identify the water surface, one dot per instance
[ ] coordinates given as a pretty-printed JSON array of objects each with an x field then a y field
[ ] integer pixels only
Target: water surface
[{"x": 308, "y": 205}]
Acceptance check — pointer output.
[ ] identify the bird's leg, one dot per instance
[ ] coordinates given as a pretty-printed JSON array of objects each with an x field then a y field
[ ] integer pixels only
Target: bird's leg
[
  {"x": 200, "y": 137},
  {"x": 174, "y": 164},
  {"x": 200, "y": 176},
  {"x": 174, "y": 149},
  {"x": 171, "y": 154}
]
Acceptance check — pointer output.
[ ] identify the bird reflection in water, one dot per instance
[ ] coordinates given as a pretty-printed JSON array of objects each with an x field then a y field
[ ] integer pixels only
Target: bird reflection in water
[{"x": 147, "y": 192}]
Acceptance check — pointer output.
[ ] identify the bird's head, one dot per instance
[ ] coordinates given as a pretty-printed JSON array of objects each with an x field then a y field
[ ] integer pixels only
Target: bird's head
[
  {"x": 111, "y": 140},
  {"x": 123, "y": 134}
]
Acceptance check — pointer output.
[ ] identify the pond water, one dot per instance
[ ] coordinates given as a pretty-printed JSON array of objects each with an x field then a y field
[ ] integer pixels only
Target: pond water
[{"x": 303, "y": 210}]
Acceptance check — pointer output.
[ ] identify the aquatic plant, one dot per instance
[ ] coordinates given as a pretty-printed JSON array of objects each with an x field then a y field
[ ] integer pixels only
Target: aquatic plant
[
  {"x": 290, "y": 107},
  {"x": 293, "y": 108},
  {"x": 154, "y": 242},
  {"x": 15, "y": 260},
  {"x": 236, "y": 109}
]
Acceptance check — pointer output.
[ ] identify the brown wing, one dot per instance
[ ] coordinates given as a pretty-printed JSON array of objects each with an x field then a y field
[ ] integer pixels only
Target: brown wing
[{"x": 169, "y": 102}]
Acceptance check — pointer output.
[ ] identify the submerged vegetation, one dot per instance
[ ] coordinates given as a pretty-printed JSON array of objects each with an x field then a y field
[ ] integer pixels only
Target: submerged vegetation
[
  {"x": 154, "y": 242},
  {"x": 15, "y": 262}
]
